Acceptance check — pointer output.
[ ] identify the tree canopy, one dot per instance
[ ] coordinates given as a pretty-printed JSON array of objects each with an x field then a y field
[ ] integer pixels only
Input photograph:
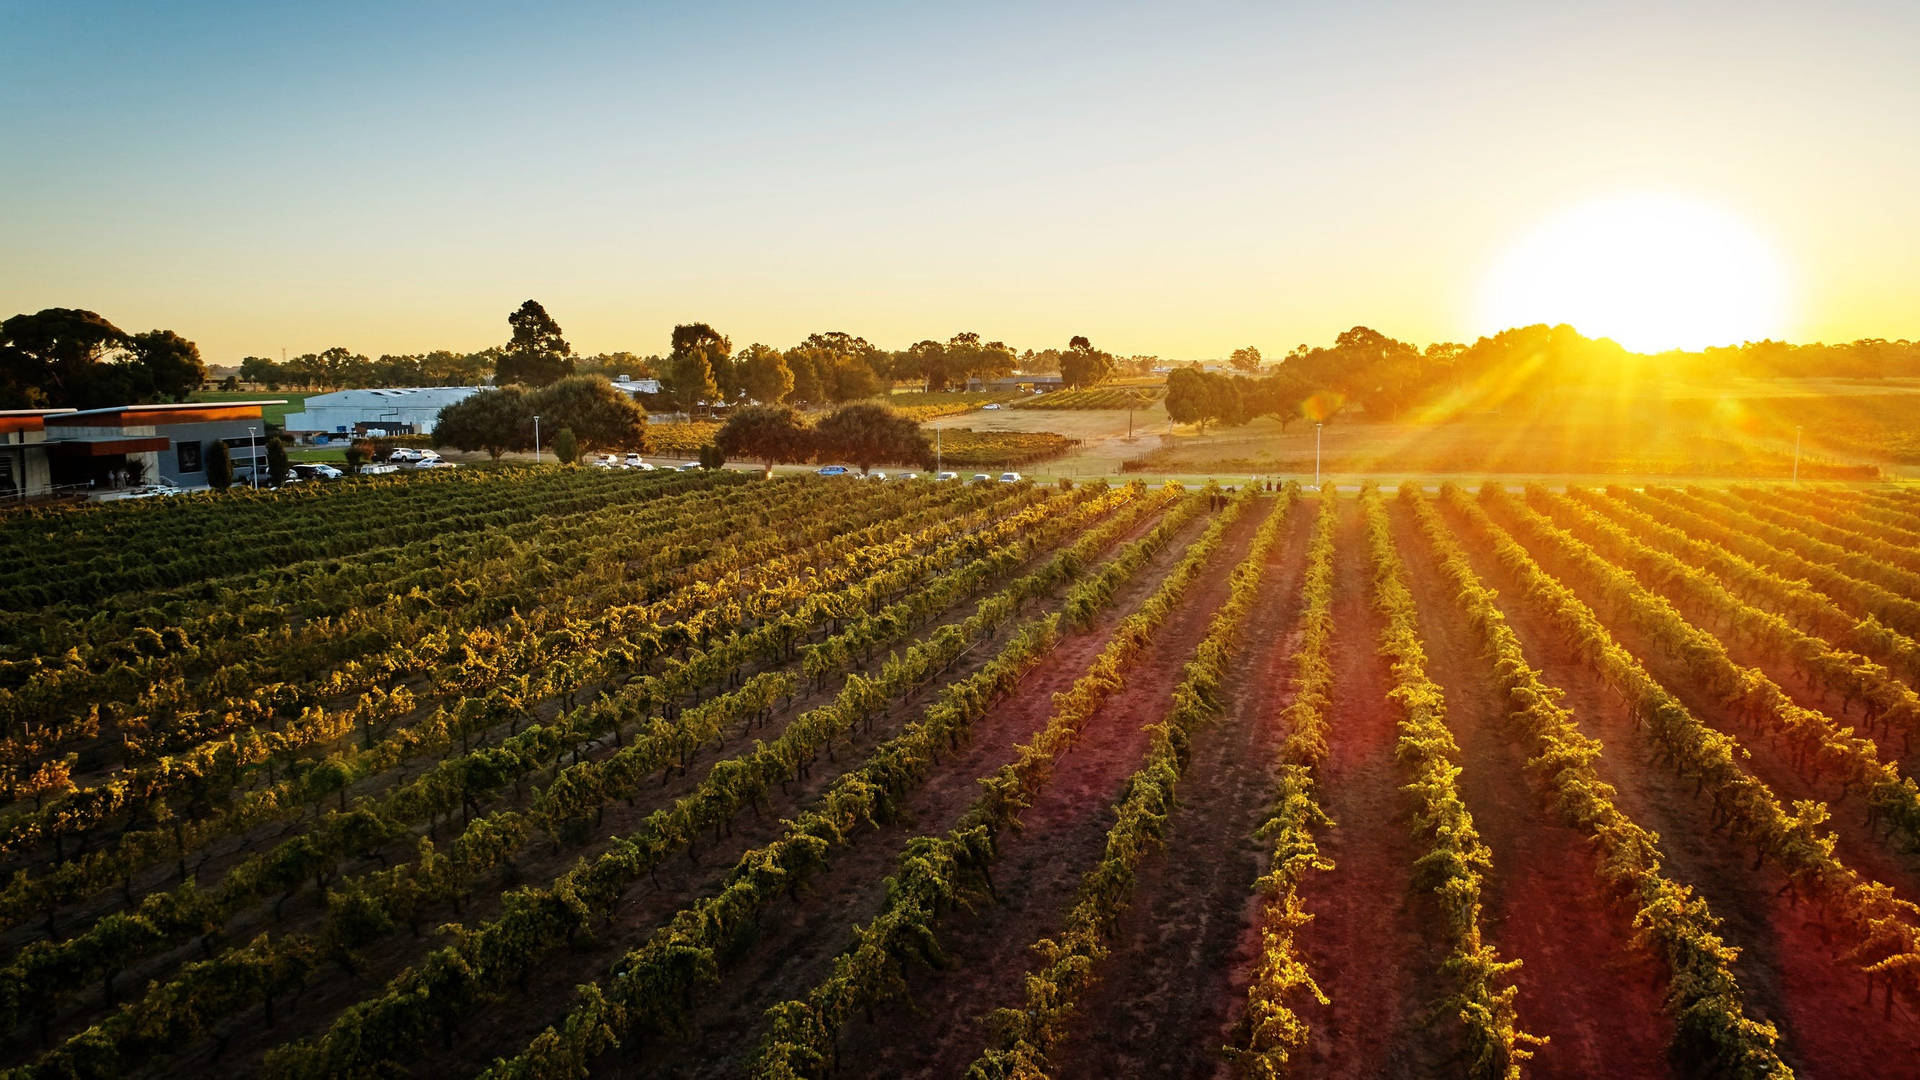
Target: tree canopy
[
  {"x": 867, "y": 434},
  {"x": 1084, "y": 365},
  {"x": 769, "y": 434},
  {"x": 501, "y": 419},
  {"x": 764, "y": 375},
  {"x": 536, "y": 354},
  {"x": 71, "y": 358},
  {"x": 599, "y": 416},
  {"x": 700, "y": 359}
]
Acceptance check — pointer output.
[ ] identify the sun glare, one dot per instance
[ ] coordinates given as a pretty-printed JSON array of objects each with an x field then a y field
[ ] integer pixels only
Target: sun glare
[{"x": 1650, "y": 271}]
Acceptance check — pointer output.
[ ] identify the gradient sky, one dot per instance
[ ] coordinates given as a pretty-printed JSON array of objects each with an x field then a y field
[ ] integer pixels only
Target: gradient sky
[{"x": 1177, "y": 179}]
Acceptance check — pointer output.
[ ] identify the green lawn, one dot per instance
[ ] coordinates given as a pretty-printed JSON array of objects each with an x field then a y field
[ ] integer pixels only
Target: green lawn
[
  {"x": 336, "y": 455},
  {"x": 274, "y": 414}
]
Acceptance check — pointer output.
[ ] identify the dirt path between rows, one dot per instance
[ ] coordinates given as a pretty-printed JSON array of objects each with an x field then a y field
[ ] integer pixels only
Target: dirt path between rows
[
  {"x": 1786, "y": 970},
  {"x": 503, "y": 1028},
  {"x": 1181, "y": 953},
  {"x": 797, "y": 950},
  {"x": 1367, "y": 946},
  {"x": 1580, "y": 983},
  {"x": 1062, "y": 834}
]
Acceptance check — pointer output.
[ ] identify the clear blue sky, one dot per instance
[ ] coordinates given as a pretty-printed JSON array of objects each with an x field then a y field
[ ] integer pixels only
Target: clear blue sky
[{"x": 1177, "y": 179}]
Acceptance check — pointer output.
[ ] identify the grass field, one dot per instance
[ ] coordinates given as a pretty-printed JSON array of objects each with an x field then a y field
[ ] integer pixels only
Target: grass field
[
  {"x": 273, "y": 414},
  {"x": 1203, "y": 748}
]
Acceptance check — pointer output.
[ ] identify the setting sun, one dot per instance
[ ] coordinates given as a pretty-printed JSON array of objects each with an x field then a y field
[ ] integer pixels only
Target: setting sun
[{"x": 1650, "y": 271}]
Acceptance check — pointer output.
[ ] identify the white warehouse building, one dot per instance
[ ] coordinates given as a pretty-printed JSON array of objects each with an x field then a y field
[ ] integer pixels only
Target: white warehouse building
[{"x": 400, "y": 410}]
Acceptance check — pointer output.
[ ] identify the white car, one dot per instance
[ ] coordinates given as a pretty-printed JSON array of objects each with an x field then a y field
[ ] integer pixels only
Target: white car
[
  {"x": 910, "y": 476},
  {"x": 946, "y": 476},
  {"x": 606, "y": 461},
  {"x": 980, "y": 478},
  {"x": 407, "y": 453},
  {"x": 633, "y": 461},
  {"x": 159, "y": 488},
  {"x": 991, "y": 405},
  {"x": 1011, "y": 478},
  {"x": 317, "y": 471},
  {"x": 436, "y": 463},
  {"x": 691, "y": 466},
  {"x": 876, "y": 476}
]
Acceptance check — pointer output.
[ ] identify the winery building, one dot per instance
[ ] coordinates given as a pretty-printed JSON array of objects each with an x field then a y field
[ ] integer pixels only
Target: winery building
[{"x": 55, "y": 451}]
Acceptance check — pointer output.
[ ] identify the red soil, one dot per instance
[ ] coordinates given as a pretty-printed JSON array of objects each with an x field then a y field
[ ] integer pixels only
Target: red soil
[
  {"x": 1580, "y": 984},
  {"x": 505, "y": 1028},
  {"x": 1368, "y": 945},
  {"x": 1040, "y": 867},
  {"x": 793, "y": 955},
  {"x": 1786, "y": 969},
  {"x": 1176, "y": 978}
]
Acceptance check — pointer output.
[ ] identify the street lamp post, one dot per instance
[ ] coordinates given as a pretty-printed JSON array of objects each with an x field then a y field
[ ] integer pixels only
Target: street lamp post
[
  {"x": 254, "y": 445},
  {"x": 1316, "y": 455},
  {"x": 536, "y": 439},
  {"x": 1796, "y": 454}
]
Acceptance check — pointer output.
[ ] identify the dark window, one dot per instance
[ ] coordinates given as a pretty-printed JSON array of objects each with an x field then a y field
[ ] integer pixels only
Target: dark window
[{"x": 189, "y": 456}]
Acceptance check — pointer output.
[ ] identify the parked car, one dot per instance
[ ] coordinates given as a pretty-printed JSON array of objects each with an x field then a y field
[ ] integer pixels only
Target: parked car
[
  {"x": 161, "y": 486},
  {"x": 991, "y": 405},
  {"x": 832, "y": 470},
  {"x": 317, "y": 471},
  {"x": 633, "y": 461},
  {"x": 876, "y": 475},
  {"x": 436, "y": 463},
  {"x": 946, "y": 476},
  {"x": 1011, "y": 478},
  {"x": 406, "y": 454},
  {"x": 980, "y": 478},
  {"x": 691, "y": 466},
  {"x": 607, "y": 461},
  {"x": 910, "y": 476},
  {"x": 378, "y": 470}
]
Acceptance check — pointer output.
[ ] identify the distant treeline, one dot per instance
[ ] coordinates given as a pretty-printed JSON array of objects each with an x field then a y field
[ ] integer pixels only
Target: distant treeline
[
  {"x": 62, "y": 357},
  {"x": 1522, "y": 368}
]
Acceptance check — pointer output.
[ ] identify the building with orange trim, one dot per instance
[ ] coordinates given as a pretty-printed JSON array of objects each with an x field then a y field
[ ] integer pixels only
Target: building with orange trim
[{"x": 96, "y": 450}]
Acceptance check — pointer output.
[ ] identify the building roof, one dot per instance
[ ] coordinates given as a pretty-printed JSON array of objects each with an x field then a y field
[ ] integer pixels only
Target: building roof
[
  {"x": 12, "y": 420},
  {"x": 414, "y": 397},
  {"x": 186, "y": 412}
]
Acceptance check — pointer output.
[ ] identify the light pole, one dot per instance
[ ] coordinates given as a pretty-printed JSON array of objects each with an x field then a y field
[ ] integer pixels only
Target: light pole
[
  {"x": 536, "y": 439},
  {"x": 1796, "y": 454},
  {"x": 254, "y": 445},
  {"x": 1316, "y": 455}
]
